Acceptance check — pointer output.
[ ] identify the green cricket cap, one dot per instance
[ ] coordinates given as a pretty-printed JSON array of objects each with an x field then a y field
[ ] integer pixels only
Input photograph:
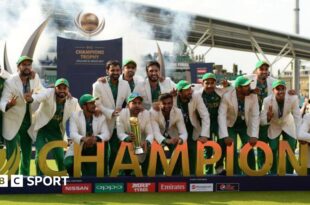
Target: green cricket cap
[
  {"x": 260, "y": 63},
  {"x": 208, "y": 76},
  {"x": 129, "y": 61},
  {"x": 182, "y": 84},
  {"x": 242, "y": 81},
  {"x": 22, "y": 59},
  {"x": 276, "y": 83},
  {"x": 133, "y": 96},
  {"x": 62, "y": 81},
  {"x": 86, "y": 98}
]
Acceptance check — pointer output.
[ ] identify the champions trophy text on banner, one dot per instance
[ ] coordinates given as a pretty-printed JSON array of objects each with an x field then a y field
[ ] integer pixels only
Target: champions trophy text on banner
[{"x": 83, "y": 62}]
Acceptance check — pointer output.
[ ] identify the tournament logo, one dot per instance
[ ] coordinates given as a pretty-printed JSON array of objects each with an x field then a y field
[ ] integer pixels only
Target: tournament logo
[
  {"x": 172, "y": 187},
  {"x": 227, "y": 187},
  {"x": 141, "y": 187}
]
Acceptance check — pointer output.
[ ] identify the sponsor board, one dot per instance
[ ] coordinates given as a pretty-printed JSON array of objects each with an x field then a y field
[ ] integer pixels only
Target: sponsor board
[
  {"x": 109, "y": 187},
  {"x": 172, "y": 187},
  {"x": 227, "y": 187},
  {"x": 77, "y": 188},
  {"x": 140, "y": 187},
  {"x": 201, "y": 187}
]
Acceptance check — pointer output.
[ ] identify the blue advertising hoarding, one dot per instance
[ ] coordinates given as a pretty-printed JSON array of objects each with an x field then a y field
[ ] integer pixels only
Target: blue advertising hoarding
[
  {"x": 83, "y": 62},
  {"x": 198, "y": 69}
]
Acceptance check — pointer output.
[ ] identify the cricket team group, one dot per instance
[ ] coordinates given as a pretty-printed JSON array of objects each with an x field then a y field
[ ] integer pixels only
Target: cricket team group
[{"x": 251, "y": 108}]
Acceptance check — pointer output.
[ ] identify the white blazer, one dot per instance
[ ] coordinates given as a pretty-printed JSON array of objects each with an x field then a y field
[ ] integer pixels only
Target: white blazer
[
  {"x": 13, "y": 117},
  {"x": 5, "y": 74},
  {"x": 144, "y": 89},
  {"x": 253, "y": 84},
  {"x": 228, "y": 113},
  {"x": 47, "y": 109},
  {"x": 106, "y": 101},
  {"x": 78, "y": 129},
  {"x": 199, "y": 116},
  {"x": 289, "y": 122},
  {"x": 123, "y": 125},
  {"x": 176, "y": 124},
  {"x": 304, "y": 133}
]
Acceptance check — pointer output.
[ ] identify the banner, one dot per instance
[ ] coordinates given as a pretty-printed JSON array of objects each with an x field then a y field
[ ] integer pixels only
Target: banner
[
  {"x": 83, "y": 62},
  {"x": 198, "y": 69}
]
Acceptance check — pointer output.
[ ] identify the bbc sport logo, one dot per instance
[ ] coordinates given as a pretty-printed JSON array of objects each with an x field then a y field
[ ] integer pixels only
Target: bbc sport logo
[{"x": 28, "y": 181}]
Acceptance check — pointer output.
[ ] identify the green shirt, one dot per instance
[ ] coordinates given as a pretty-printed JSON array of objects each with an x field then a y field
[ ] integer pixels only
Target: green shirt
[
  {"x": 280, "y": 108},
  {"x": 89, "y": 126},
  {"x": 53, "y": 126},
  {"x": 212, "y": 101},
  {"x": 114, "y": 89},
  {"x": 155, "y": 93},
  {"x": 131, "y": 84},
  {"x": 240, "y": 122},
  {"x": 263, "y": 92},
  {"x": 1, "y": 85},
  {"x": 27, "y": 118},
  {"x": 184, "y": 108}
]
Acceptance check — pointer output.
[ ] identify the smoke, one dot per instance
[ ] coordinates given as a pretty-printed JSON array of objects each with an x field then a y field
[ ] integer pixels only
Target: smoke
[
  {"x": 180, "y": 25},
  {"x": 17, "y": 24},
  {"x": 19, "y": 19}
]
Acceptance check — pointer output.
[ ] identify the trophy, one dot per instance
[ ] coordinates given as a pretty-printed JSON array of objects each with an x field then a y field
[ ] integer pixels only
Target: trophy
[
  {"x": 135, "y": 129},
  {"x": 89, "y": 23}
]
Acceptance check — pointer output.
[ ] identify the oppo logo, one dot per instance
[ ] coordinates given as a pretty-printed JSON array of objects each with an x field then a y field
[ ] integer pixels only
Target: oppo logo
[{"x": 109, "y": 187}]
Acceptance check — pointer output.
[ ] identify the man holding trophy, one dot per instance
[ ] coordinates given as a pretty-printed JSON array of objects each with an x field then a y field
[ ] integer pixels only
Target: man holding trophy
[{"x": 134, "y": 125}]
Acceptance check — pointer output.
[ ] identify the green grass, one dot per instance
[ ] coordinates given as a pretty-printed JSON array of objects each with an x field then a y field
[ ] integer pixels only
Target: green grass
[{"x": 216, "y": 198}]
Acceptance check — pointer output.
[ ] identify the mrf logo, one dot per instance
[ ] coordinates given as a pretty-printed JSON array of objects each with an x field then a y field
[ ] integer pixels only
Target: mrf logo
[
  {"x": 227, "y": 187},
  {"x": 140, "y": 187}
]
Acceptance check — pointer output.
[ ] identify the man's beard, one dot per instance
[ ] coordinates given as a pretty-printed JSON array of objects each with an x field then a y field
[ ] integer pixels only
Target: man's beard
[
  {"x": 153, "y": 78},
  {"x": 167, "y": 110},
  {"x": 130, "y": 74},
  {"x": 61, "y": 95},
  {"x": 135, "y": 111},
  {"x": 114, "y": 76},
  {"x": 26, "y": 74},
  {"x": 247, "y": 93},
  {"x": 262, "y": 77}
]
